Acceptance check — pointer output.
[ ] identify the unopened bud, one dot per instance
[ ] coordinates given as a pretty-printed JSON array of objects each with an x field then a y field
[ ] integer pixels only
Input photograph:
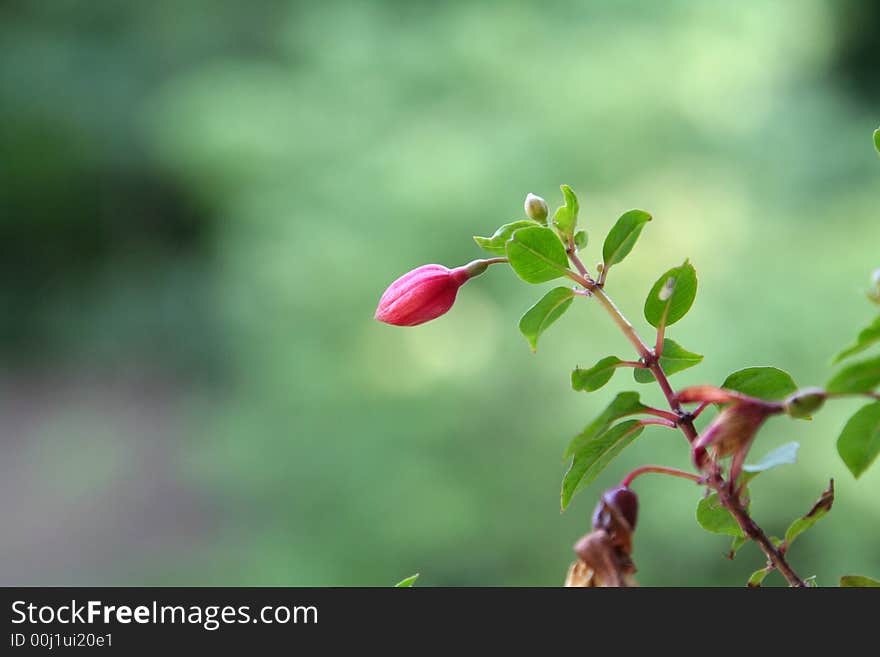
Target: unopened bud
[
  {"x": 804, "y": 403},
  {"x": 421, "y": 295},
  {"x": 616, "y": 504},
  {"x": 536, "y": 208}
]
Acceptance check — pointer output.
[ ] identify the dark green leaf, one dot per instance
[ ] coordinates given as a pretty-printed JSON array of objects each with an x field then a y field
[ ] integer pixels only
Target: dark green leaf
[
  {"x": 595, "y": 377},
  {"x": 625, "y": 403},
  {"x": 408, "y": 582},
  {"x": 850, "y": 581},
  {"x": 580, "y": 240},
  {"x": 715, "y": 518},
  {"x": 672, "y": 296},
  {"x": 757, "y": 577},
  {"x": 863, "y": 376},
  {"x": 866, "y": 338},
  {"x": 859, "y": 442},
  {"x": 782, "y": 455},
  {"x": 623, "y": 235},
  {"x": 497, "y": 244},
  {"x": 674, "y": 358},
  {"x": 540, "y": 316},
  {"x": 565, "y": 218},
  {"x": 814, "y": 515},
  {"x": 537, "y": 255},
  {"x": 768, "y": 383},
  {"x": 591, "y": 458}
]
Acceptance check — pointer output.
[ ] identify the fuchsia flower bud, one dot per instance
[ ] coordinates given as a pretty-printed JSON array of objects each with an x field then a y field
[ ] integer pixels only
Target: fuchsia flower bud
[{"x": 424, "y": 293}]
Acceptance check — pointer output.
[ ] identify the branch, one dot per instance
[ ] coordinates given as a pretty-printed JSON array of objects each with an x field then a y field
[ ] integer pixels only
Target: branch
[{"x": 685, "y": 422}]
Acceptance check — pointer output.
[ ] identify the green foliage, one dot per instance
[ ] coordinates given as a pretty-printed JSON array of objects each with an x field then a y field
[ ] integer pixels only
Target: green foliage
[
  {"x": 757, "y": 577},
  {"x": 768, "y": 383},
  {"x": 672, "y": 296},
  {"x": 539, "y": 317},
  {"x": 819, "y": 510},
  {"x": 537, "y": 255},
  {"x": 867, "y": 337},
  {"x": 859, "y": 442},
  {"x": 852, "y": 581},
  {"x": 565, "y": 218},
  {"x": 863, "y": 376},
  {"x": 597, "y": 445},
  {"x": 877, "y": 140},
  {"x": 674, "y": 358},
  {"x": 625, "y": 403},
  {"x": 622, "y": 237},
  {"x": 580, "y": 240},
  {"x": 408, "y": 582},
  {"x": 497, "y": 243},
  {"x": 589, "y": 380},
  {"x": 592, "y": 457},
  {"x": 713, "y": 517}
]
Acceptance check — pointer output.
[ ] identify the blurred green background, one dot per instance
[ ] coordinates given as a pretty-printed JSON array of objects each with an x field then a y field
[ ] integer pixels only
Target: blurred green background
[{"x": 201, "y": 203}]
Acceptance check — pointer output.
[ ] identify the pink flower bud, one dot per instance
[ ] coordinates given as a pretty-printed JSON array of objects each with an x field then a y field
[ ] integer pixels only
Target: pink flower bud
[{"x": 424, "y": 293}]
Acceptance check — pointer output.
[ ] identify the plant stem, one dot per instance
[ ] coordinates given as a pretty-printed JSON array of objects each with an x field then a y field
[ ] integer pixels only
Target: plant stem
[
  {"x": 658, "y": 469},
  {"x": 659, "y": 412},
  {"x": 728, "y": 499}
]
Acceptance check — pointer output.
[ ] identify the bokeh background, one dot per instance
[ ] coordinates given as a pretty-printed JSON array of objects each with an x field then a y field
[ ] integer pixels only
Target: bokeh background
[{"x": 201, "y": 202}]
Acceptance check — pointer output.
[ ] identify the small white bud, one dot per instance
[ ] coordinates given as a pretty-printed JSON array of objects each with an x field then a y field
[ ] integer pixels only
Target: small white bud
[{"x": 536, "y": 208}]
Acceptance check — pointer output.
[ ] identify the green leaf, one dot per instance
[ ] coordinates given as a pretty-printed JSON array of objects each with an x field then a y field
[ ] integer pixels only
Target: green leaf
[
  {"x": 851, "y": 581},
  {"x": 595, "y": 377},
  {"x": 591, "y": 458},
  {"x": 715, "y": 518},
  {"x": 877, "y": 139},
  {"x": 738, "y": 542},
  {"x": 820, "y": 510},
  {"x": 782, "y": 455},
  {"x": 625, "y": 403},
  {"x": 757, "y": 577},
  {"x": 565, "y": 218},
  {"x": 580, "y": 240},
  {"x": 863, "y": 376},
  {"x": 768, "y": 383},
  {"x": 537, "y": 255},
  {"x": 497, "y": 244},
  {"x": 540, "y": 316},
  {"x": 859, "y": 442},
  {"x": 672, "y": 296},
  {"x": 408, "y": 582},
  {"x": 674, "y": 358},
  {"x": 865, "y": 339},
  {"x": 623, "y": 235}
]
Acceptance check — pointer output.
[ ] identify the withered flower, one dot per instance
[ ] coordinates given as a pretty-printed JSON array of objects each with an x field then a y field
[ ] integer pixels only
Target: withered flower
[
  {"x": 604, "y": 553},
  {"x": 731, "y": 433}
]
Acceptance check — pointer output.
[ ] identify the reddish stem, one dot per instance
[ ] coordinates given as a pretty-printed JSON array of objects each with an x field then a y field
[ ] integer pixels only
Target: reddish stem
[
  {"x": 659, "y": 469},
  {"x": 658, "y": 422},
  {"x": 659, "y": 412}
]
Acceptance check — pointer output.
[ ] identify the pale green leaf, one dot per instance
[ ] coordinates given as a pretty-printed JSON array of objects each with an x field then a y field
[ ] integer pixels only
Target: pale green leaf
[
  {"x": 594, "y": 456},
  {"x": 539, "y": 317},
  {"x": 497, "y": 243},
  {"x": 859, "y": 442},
  {"x": 623, "y": 235},
  {"x": 593, "y": 378},
  {"x": 672, "y": 296},
  {"x": 537, "y": 255}
]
